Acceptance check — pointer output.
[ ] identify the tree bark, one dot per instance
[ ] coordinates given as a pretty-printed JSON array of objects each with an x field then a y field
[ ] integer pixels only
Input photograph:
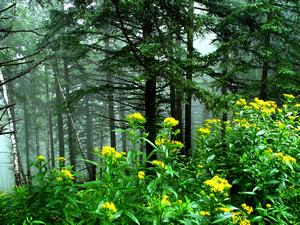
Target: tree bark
[
  {"x": 71, "y": 141},
  {"x": 89, "y": 138},
  {"x": 27, "y": 135},
  {"x": 110, "y": 97},
  {"x": 265, "y": 66},
  {"x": 189, "y": 76},
  {"x": 150, "y": 90},
  {"x": 35, "y": 114},
  {"x": 50, "y": 124},
  {"x": 13, "y": 136},
  {"x": 60, "y": 122}
]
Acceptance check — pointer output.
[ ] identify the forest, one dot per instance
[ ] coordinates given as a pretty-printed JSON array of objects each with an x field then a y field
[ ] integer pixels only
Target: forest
[{"x": 149, "y": 112}]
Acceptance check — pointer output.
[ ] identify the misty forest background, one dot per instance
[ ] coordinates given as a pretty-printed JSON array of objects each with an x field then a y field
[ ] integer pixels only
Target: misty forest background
[{"x": 71, "y": 70}]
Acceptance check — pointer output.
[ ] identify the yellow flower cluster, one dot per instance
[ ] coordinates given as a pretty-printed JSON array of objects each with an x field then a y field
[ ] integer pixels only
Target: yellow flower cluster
[
  {"x": 203, "y": 130},
  {"x": 170, "y": 122},
  {"x": 297, "y": 105},
  {"x": 67, "y": 173},
  {"x": 108, "y": 152},
  {"x": 217, "y": 184},
  {"x": 238, "y": 218},
  {"x": 224, "y": 209},
  {"x": 247, "y": 208},
  {"x": 60, "y": 159},
  {"x": 136, "y": 118},
  {"x": 268, "y": 206},
  {"x": 40, "y": 158},
  {"x": 141, "y": 175},
  {"x": 267, "y": 107},
  {"x": 163, "y": 141},
  {"x": 209, "y": 122},
  {"x": 110, "y": 206},
  {"x": 289, "y": 96},
  {"x": 165, "y": 201},
  {"x": 160, "y": 141},
  {"x": 204, "y": 213},
  {"x": 241, "y": 102},
  {"x": 244, "y": 123},
  {"x": 285, "y": 158},
  {"x": 159, "y": 164}
]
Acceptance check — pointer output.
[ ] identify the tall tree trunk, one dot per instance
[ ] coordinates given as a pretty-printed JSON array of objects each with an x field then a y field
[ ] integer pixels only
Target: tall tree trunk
[
  {"x": 35, "y": 114},
  {"x": 89, "y": 138},
  {"x": 26, "y": 135},
  {"x": 150, "y": 87},
  {"x": 13, "y": 136},
  {"x": 110, "y": 97},
  {"x": 122, "y": 125},
  {"x": 265, "y": 66},
  {"x": 60, "y": 122},
  {"x": 176, "y": 110},
  {"x": 50, "y": 124},
  {"x": 71, "y": 141},
  {"x": 189, "y": 76}
]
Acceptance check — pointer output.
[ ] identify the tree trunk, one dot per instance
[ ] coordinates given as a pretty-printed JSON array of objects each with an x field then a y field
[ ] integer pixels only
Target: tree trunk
[
  {"x": 189, "y": 76},
  {"x": 150, "y": 88},
  {"x": 71, "y": 141},
  {"x": 122, "y": 125},
  {"x": 50, "y": 124},
  {"x": 27, "y": 135},
  {"x": 110, "y": 97},
  {"x": 35, "y": 114},
  {"x": 60, "y": 125},
  {"x": 13, "y": 136},
  {"x": 89, "y": 138},
  {"x": 265, "y": 66}
]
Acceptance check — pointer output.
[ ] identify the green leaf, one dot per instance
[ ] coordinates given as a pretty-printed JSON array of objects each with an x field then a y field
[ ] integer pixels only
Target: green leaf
[
  {"x": 257, "y": 219},
  {"x": 261, "y": 132},
  {"x": 210, "y": 158},
  {"x": 223, "y": 218},
  {"x": 132, "y": 217}
]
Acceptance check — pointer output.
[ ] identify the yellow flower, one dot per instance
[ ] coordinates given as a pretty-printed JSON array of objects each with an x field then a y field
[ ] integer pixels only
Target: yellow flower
[
  {"x": 170, "y": 122},
  {"x": 179, "y": 202},
  {"x": 67, "y": 174},
  {"x": 217, "y": 184},
  {"x": 208, "y": 122},
  {"x": 160, "y": 141},
  {"x": 224, "y": 209},
  {"x": 268, "y": 151},
  {"x": 165, "y": 201},
  {"x": 297, "y": 105},
  {"x": 268, "y": 206},
  {"x": 289, "y": 96},
  {"x": 241, "y": 102},
  {"x": 110, "y": 206},
  {"x": 108, "y": 151},
  {"x": 244, "y": 222},
  {"x": 177, "y": 144},
  {"x": 141, "y": 175},
  {"x": 40, "y": 158},
  {"x": 159, "y": 164},
  {"x": 204, "y": 213},
  {"x": 285, "y": 158},
  {"x": 247, "y": 208},
  {"x": 59, "y": 179},
  {"x": 203, "y": 130},
  {"x": 200, "y": 166},
  {"x": 136, "y": 118},
  {"x": 60, "y": 159}
]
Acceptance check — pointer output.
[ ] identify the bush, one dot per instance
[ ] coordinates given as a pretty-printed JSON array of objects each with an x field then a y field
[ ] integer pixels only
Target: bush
[
  {"x": 257, "y": 151},
  {"x": 243, "y": 170}
]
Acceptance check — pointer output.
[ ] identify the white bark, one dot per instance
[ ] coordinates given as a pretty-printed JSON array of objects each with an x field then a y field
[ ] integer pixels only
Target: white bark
[{"x": 13, "y": 134}]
